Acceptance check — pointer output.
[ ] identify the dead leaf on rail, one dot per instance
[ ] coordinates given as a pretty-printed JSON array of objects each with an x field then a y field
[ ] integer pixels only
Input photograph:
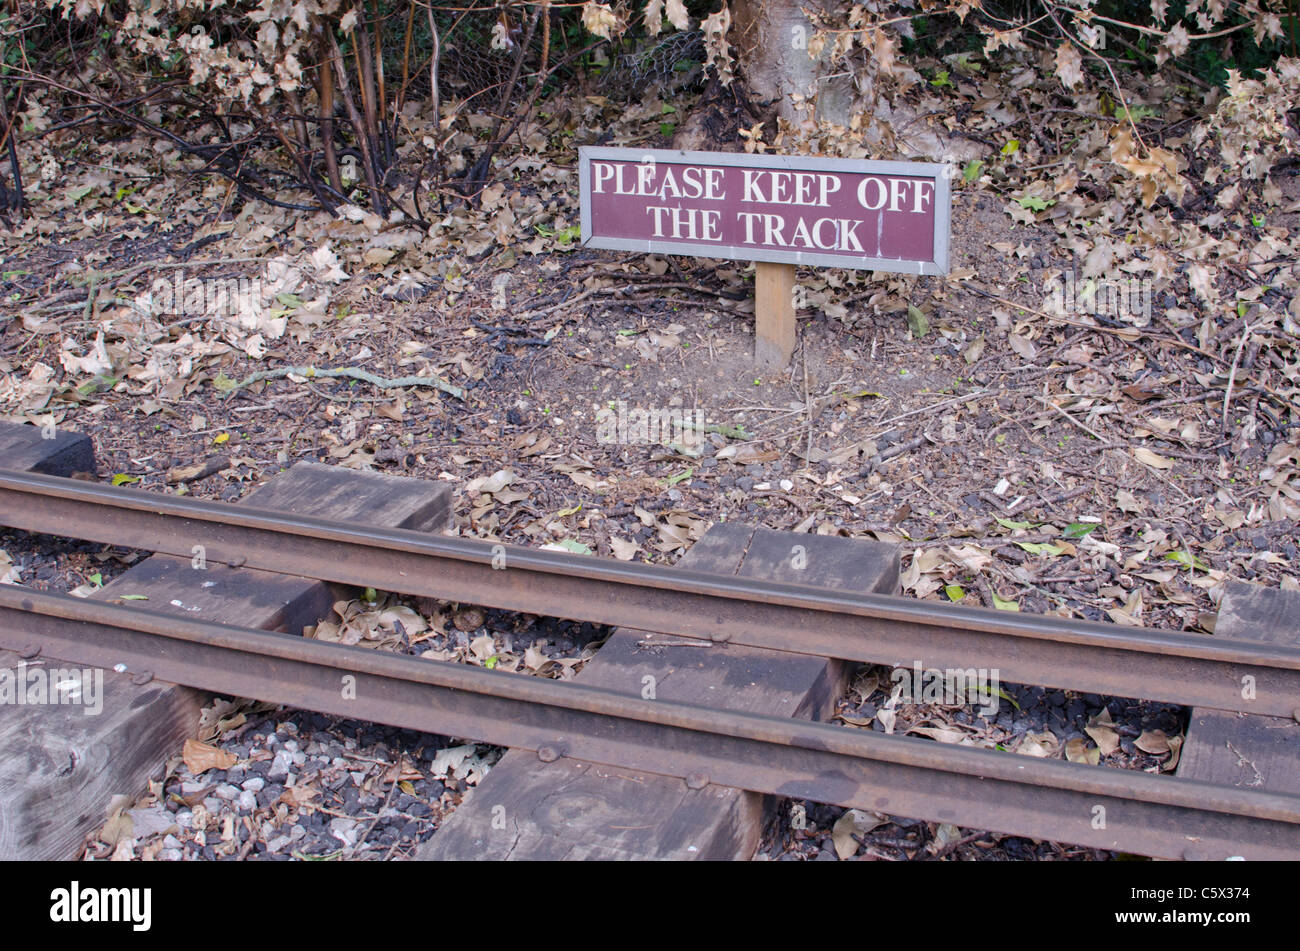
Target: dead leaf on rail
[
  {"x": 1154, "y": 742},
  {"x": 1175, "y": 752},
  {"x": 1039, "y": 744},
  {"x": 921, "y": 576},
  {"x": 1102, "y": 730},
  {"x": 939, "y": 734},
  {"x": 854, "y": 721},
  {"x": 119, "y": 828},
  {"x": 945, "y": 836},
  {"x": 623, "y": 550},
  {"x": 201, "y": 757},
  {"x": 412, "y": 624},
  {"x": 854, "y": 822},
  {"x": 1131, "y": 613},
  {"x": 1077, "y": 750}
]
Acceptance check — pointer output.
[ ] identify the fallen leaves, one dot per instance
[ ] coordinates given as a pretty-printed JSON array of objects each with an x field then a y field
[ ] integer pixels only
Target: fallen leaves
[
  {"x": 382, "y": 624},
  {"x": 1103, "y": 732},
  {"x": 9, "y": 573},
  {"x": 854, "y": 822},
  {"x": 1152, "y": 459},
  {"x": 201, "y": 757},
  {"x": 1043, "y": 744},
  {"x": 1077, "y": 750}
]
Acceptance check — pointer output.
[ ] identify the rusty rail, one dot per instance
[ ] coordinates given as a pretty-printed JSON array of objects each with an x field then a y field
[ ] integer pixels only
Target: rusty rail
[
  {"x": 1090, "y": 805},
  {"x": 1047, "y": 651}
]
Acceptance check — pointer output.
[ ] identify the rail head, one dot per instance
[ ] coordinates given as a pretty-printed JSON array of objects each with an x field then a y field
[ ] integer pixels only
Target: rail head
[{"x": 1060, "y": 652}]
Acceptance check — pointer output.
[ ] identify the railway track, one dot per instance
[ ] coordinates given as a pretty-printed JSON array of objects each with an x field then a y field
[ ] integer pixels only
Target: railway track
[{"x": 1093, "y": 806}]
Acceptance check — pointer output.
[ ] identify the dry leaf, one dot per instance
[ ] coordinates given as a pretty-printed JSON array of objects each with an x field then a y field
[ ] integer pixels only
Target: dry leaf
[
  {"x": 1102, "y": 730},
  {"x": 853, "y": 822},
  {"x": 201, "y": 757},
  {"x": 1149, "y": 458},
  {"x": 1077, "y": 750},
  {"x": 1154, "y": 742},
  {"x": 623, "y": 550},
  {"x": 940, "y": 734},
  {"x": 1039, "y": 744}
]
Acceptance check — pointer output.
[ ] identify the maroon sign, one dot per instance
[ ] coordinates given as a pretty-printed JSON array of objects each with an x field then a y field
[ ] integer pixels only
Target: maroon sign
[{"x": 890, "y": 216}]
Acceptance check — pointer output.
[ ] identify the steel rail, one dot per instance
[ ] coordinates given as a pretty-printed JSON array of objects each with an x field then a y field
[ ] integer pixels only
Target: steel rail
[
  {"x": 1089, "y": 805},
  {"x": 1192, "y": 669}
]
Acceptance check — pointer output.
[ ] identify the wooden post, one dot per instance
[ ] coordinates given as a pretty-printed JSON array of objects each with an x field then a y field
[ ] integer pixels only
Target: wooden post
[{"x": 774, "y": 327}]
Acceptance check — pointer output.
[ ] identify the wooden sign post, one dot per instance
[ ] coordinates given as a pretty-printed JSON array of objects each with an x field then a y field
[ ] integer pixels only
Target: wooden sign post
[
  {"x": 779, "y": 211},
  {"x": 774, "y": 327}
]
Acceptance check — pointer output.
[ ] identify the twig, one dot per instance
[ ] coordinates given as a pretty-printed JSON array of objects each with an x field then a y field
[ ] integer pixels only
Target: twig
[
  {"x": 361, "y": 839},
  {"x": 355, "y": 374},
  {"x": 807, "y": 400},
  {"x": 1048, "y": 403},
  {"x": 1232, "y": 373}
]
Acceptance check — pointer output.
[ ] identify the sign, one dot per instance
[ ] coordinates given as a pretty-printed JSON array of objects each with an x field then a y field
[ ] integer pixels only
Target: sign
[{"x": 886, "y": 216}]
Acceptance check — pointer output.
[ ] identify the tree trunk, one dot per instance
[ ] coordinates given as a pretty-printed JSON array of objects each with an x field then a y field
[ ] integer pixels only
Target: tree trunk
[{"x": 770, "y": 38}]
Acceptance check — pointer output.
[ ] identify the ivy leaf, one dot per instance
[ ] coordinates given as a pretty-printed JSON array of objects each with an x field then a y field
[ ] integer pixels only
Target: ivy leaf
[
  {"x": 1186, "y": 560},
  {"x": 972, "y": 170},
  {"x": 954, "y": 592},
  {"x": 917, "y": 321},
  {"x": 1002, "y": 604},
  {"x": 1034, "y": 203}
]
